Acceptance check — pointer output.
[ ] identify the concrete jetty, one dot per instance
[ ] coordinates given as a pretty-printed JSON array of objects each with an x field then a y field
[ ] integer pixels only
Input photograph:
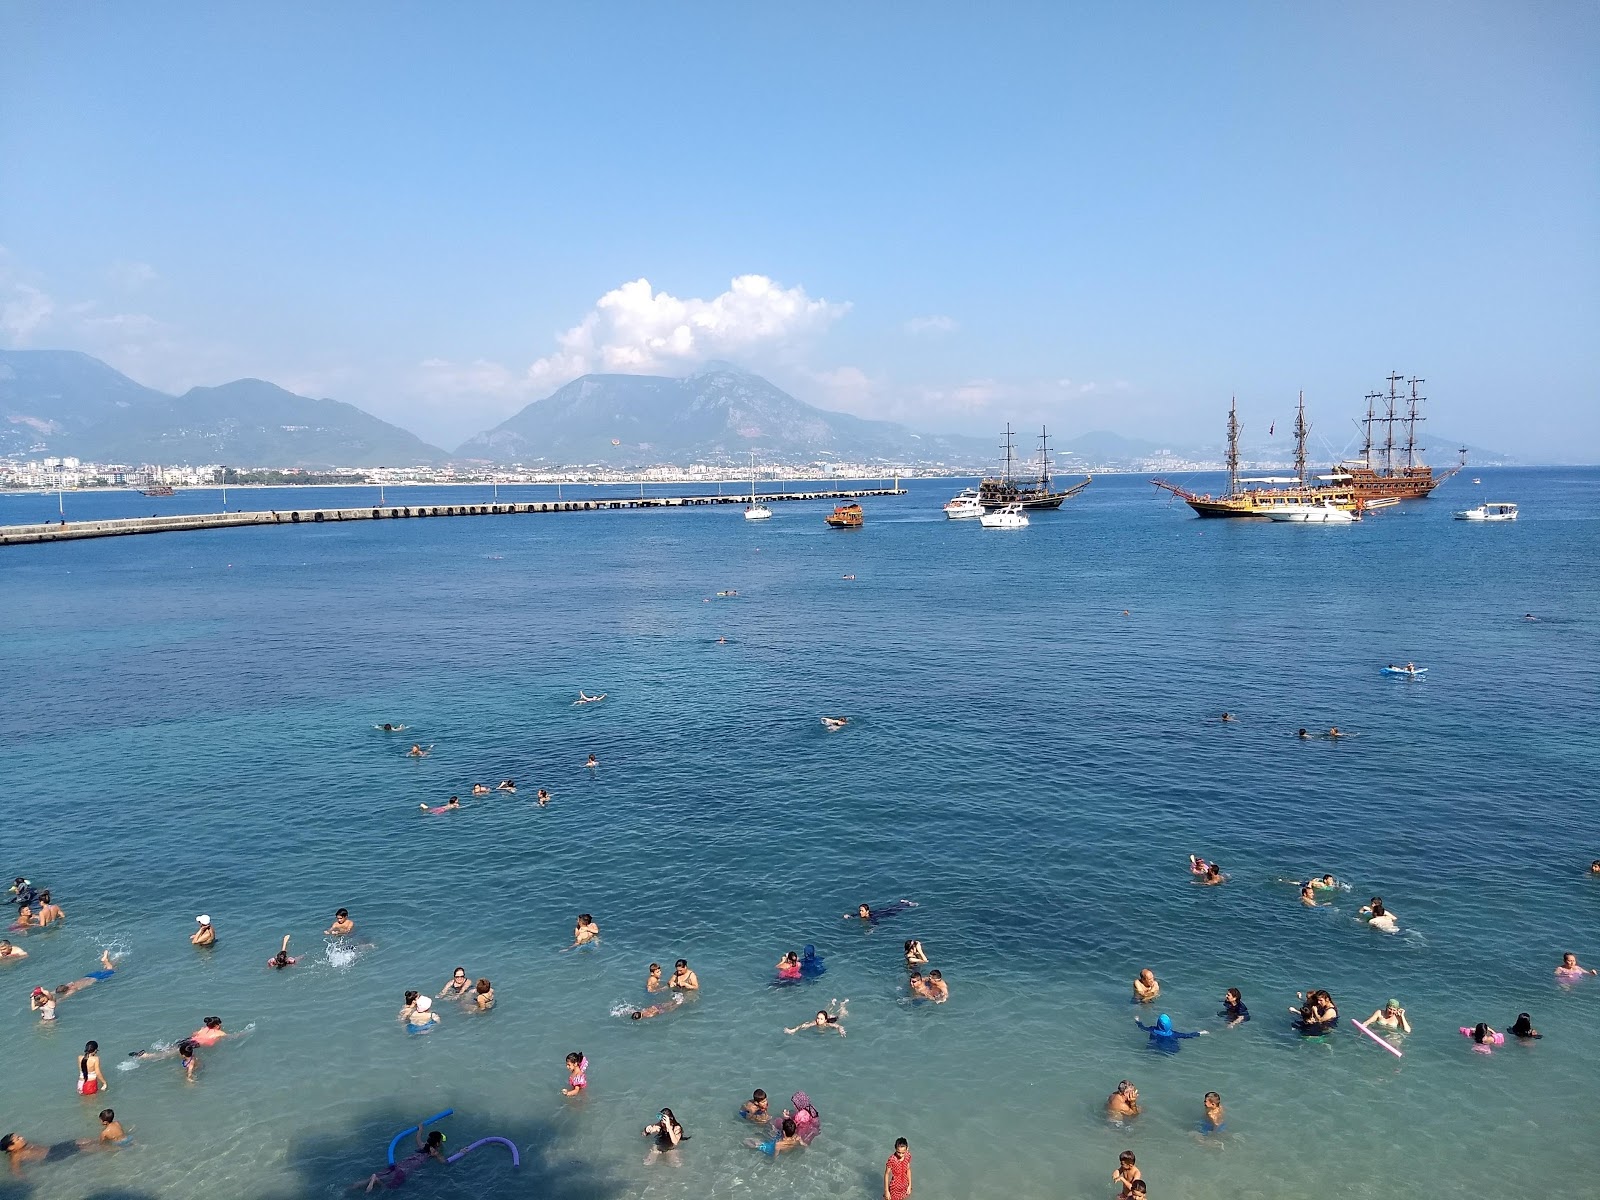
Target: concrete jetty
[{"x": 66, "y": 531}]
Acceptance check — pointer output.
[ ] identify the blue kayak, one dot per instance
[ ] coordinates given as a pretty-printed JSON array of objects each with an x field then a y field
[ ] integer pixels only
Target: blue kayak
[{"x": 1413, "y": 673}]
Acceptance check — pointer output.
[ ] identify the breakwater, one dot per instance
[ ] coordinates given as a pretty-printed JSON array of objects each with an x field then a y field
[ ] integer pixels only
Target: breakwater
[{"x": 66, "y": 531}]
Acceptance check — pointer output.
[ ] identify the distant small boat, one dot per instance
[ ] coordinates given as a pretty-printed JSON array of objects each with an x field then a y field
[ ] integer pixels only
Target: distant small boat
[
  {"x": 1409, "y": 671},
  {"x": 965, "y": 506},
  {"x": 1477, "y": 481},
  {"x": 1489, "y": 512},
  {"x": 1009, "y": 517},
  {"x": 846, "y": 516},
  {"x": 755, "y": 510},
  {"x": 1325, "y": 513},
  {"x": 159, "y": 489}
]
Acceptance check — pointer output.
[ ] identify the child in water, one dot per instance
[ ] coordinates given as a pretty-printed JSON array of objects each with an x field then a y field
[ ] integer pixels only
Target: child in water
[
  {"x": 755, "y": 1108},
  {"x": 1126, "y": 1174},
  {"x": 577, "y": 1074}
]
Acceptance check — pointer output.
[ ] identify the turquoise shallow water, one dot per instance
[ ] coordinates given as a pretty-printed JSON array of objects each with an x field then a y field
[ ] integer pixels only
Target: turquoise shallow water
[{"x": 185, "y": 726}]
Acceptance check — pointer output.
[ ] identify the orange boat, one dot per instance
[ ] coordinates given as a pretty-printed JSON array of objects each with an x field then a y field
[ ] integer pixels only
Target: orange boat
[{"x": 846, "y": 516}]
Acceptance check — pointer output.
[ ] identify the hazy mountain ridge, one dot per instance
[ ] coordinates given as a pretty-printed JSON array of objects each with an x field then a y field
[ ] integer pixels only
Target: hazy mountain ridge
[
  {"x": 61, "y": 402},
  {"x": 718, "y": 415}
]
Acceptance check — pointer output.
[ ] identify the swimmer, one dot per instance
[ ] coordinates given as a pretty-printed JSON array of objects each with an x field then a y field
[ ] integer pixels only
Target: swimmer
[
  {"x": 480, "y": 789},
  {"x": 915, "y": 954},
  {"x": 1163, "y": 1036},
  {"x": 342, "y": 924},
  {"x": 1198, "y": 865},
  {"x": 506, "y": 785},
  {"x": 388, "y": 728},
  {"x": 41, "y": 1002},
  {"x": 451, "y": 805},
  {"x": 1334, "y": 733},
  {"x": 722, "y": 641},
  {"x": 48, "y": 911},
  {"x": 592, "y": 763},
  {"x": 1124, "y": 1102},
  {"x": 652, "y": 980},
  {"x": 834, "y": 724},
  {"x": 1213, "y": 876},
  {"x": 210, "y": 1032},
  {"x": 1233, "y": 1010},
  {"x": 585, "y": 698},
  {"x": 1529, "y": 617},
  {"x": 544, "y": 798},
  {"x": 422, "y": 1017},
  {"x": 683, "y": 979},
  {"x": 577, "y": 1074},
  {"x": 787, "y": 1137},
  {"x": 1126, "y": 1174},
  {"x": 1327, "y": 881},
  {"x": 20, "y": 1152},
  {"x": 755, "y": 1108},
  {"x": 585, "y": 931},
  {"x": 187, "y": 1060},
  {"x": 1378, "y": 917},
  {"x": 206, "y": 935},
  {"x": 848, "y": 577},
  {"x": 62, "y": 991},
  {"x": 1301, "y": 732},
  {"x": 430, "y": 1148},
  {"x": 23, "y": 893},
  {"x": 281, "y": 959},
  {"x": 1391, "y": 1016},
  {"x": 666, "y": 1131},
  {"x": 1317, "y": 1015},
  {"x": 25, "y": 919},
  {"x": 111, "y": 1131},
  {"x": 655, "y": 1010},
  {"x": 1308, "y": 897},
  {"x": 826, "y": 1018},
  {"x": 1215, "y": 1120},
  {"x": 1570, "y": 968},
  {"x": 872, "y": 915},
  {"x": 417, "y": 751},
  {"x": 1146, "y": 987},
  {"x": 459, "y": 987},
  {"x": 9, "y": 953},
  {"x": 1523, "y": 1028},
  {"x": 938, "y": 989},
  {"x": 789, "y": 966},
  {"x": 410, "y": 1005},
  {"x": 1228, "y": 716},
  {"x": 918, "y": 986},
  {"x": 1484, "y": 1039},
  {"x": 483, "y": 995},
  {"x": 90, "y": 1078},
  {"x": 1594, "y": 867}
]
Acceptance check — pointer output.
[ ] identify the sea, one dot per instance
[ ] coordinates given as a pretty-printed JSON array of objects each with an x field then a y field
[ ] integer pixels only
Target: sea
[{"x": 1035, "y": 746}]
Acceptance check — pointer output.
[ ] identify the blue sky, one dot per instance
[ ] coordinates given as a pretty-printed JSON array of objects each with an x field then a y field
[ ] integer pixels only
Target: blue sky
[{"x": 1105, "y": 216}]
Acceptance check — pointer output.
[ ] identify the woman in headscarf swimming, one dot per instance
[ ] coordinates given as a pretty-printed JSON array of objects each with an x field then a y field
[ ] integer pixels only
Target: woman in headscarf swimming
[{"x": 1163, "y": 1036}]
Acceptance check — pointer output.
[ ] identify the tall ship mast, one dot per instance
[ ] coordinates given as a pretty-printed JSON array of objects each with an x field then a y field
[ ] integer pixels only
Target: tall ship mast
[{"x": 1035, "y": 492}]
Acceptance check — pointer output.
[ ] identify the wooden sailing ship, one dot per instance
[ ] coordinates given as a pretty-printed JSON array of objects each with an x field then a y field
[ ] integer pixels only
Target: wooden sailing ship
[
  {"x": 1380, "y": 472},
  {"x": 846, "y": 516},
  {"x": 1032, "y": 492}
]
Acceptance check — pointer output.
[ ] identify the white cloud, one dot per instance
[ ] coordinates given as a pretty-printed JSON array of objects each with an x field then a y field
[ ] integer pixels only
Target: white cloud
[
  {"x": 130, "y": 276},
  {"x": 935, "y": 324},
  {"x": 634, "y": 329},
  {"x": 25, "y": 310},
  {"x": 446, "y": 379}
]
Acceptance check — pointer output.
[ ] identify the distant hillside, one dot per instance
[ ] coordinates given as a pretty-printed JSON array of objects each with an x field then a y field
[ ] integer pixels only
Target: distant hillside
[
  {"x": 720, "y": 415},
  {"x": 60, "y": 402}
]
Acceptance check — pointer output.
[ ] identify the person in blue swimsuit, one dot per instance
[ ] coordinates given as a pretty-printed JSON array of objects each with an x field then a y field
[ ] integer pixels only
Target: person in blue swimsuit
[{"x": 1163, "y": 1036}]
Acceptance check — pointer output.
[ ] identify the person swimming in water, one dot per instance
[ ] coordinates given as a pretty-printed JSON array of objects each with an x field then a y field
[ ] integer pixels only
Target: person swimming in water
[
  {"x": 915, "y": 954},
  {"x": 1213, "y": 876},
  {"x": 481, "y": 789},
  {"x": 1570, "y": 968},
  {"x": 342, "y": 924},
  {"x": 1334, "y": 733},
  {"x": 585, "y": 931},
  {"x": 755, "y": 1108},
  {"x": 206, "y": 935},
  {"x": 1145, "y": 986},
  {"x": 1390, "y": 1016},
  {"x": 683, "y": 979},
  {"x": 281, "y": 959},
  {"x": 1234, "y": 1011},
  {"x": 787, "y": 1137},
  {"x": 585, "y": 698},
  {"x": 577, "y": 1074},
  {"x": 865, "y": 912},
  {"x": 834, "y": 724},
  {"x": 187, "y": 1060},
  {"x": 430, "y": 1148},
  {"x": 1302, "y": 732},
  {"x": 1228, "y": 716},
  {"x": 1126, "y": 1174},
  {"x": 1378, "y": 917},
  {"x": 422, "y": 1017},
  {"x": 459, "y": 986},
  {"x": 1198, "y": 865},
  {"x": 667, "y": 1132},
  {"x": 938, "y": 989},
  {"x": 1163, "y": 1036},
  {"x": 10, "y": 953},
  {"x": 410, "y": 1005},
  {"x": 1316, "y": 1015},
  {"x": 1214, "y": 1120},
  {"x": 1523, "y": 1028},
  {"x": 789, "y": 966},
  {"x": 20, "y": 1152},
  {"x": 451, "y": 805},
  {"x": 592, "y": 763},
  {"x": 1123, "y": 1103},
  {"x": 543, "y": 797},
  {"x": 483, "y": 995},
  {"x": 417, "y": 751},
  {"x": 826, "y": 1019},
  {"x": 49, "y": 911},
  {"x": 918, "y": 986},
  {"x": 111, "y": 1131},
  {"x": 388, "y": 728},
  {"x": 655, "y": 1010},
  {"x": 47, "y": 1006},
  {"x": 506, "y": 785}
]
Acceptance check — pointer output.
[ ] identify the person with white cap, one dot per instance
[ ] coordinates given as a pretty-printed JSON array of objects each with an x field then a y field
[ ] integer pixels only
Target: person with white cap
[
  {"x": 422, "y": 1017},
  {"x": 205, "y": 935}
]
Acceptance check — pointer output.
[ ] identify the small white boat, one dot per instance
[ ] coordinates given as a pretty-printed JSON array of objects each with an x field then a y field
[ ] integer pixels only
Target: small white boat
[
  {"x": 1489, "y": 512},
  {"x": 1477, "y": 481},
  {"x": 1325, "y": 513},
  {"x": 1009, "y": 517},
  {"x": 964, "y": 506},
  {"x": 755, "y": 510}
]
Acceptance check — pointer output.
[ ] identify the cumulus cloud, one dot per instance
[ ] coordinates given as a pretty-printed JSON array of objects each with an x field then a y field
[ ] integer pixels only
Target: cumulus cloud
[
  {"x": 932, "y": 325},
  {"x": 634, "y": 329}
]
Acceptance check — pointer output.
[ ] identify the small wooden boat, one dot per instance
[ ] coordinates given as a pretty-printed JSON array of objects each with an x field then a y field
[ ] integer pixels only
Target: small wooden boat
[{"x": 846, "y": 516}]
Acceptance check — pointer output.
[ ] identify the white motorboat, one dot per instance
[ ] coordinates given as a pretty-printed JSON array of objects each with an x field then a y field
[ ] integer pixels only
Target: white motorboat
[
  {"x": 1489, "y": 512},
  {"x": 1325, "y": 513},
  {"x": 1009, "y": 517},
  {"x": 755, "y": 510},
  {"x": 964, "y": 506}
]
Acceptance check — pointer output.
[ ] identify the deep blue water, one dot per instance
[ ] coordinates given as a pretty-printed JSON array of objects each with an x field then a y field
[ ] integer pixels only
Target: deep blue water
[{"x": 186, "y": 726}]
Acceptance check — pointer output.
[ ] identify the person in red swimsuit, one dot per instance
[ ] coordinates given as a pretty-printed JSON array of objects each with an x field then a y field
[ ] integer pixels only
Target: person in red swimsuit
[{"x": 897, "y": 1172}]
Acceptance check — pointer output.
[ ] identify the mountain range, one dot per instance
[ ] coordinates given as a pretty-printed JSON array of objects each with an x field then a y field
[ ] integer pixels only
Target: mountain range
[{"x": 60, "y": 402}]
